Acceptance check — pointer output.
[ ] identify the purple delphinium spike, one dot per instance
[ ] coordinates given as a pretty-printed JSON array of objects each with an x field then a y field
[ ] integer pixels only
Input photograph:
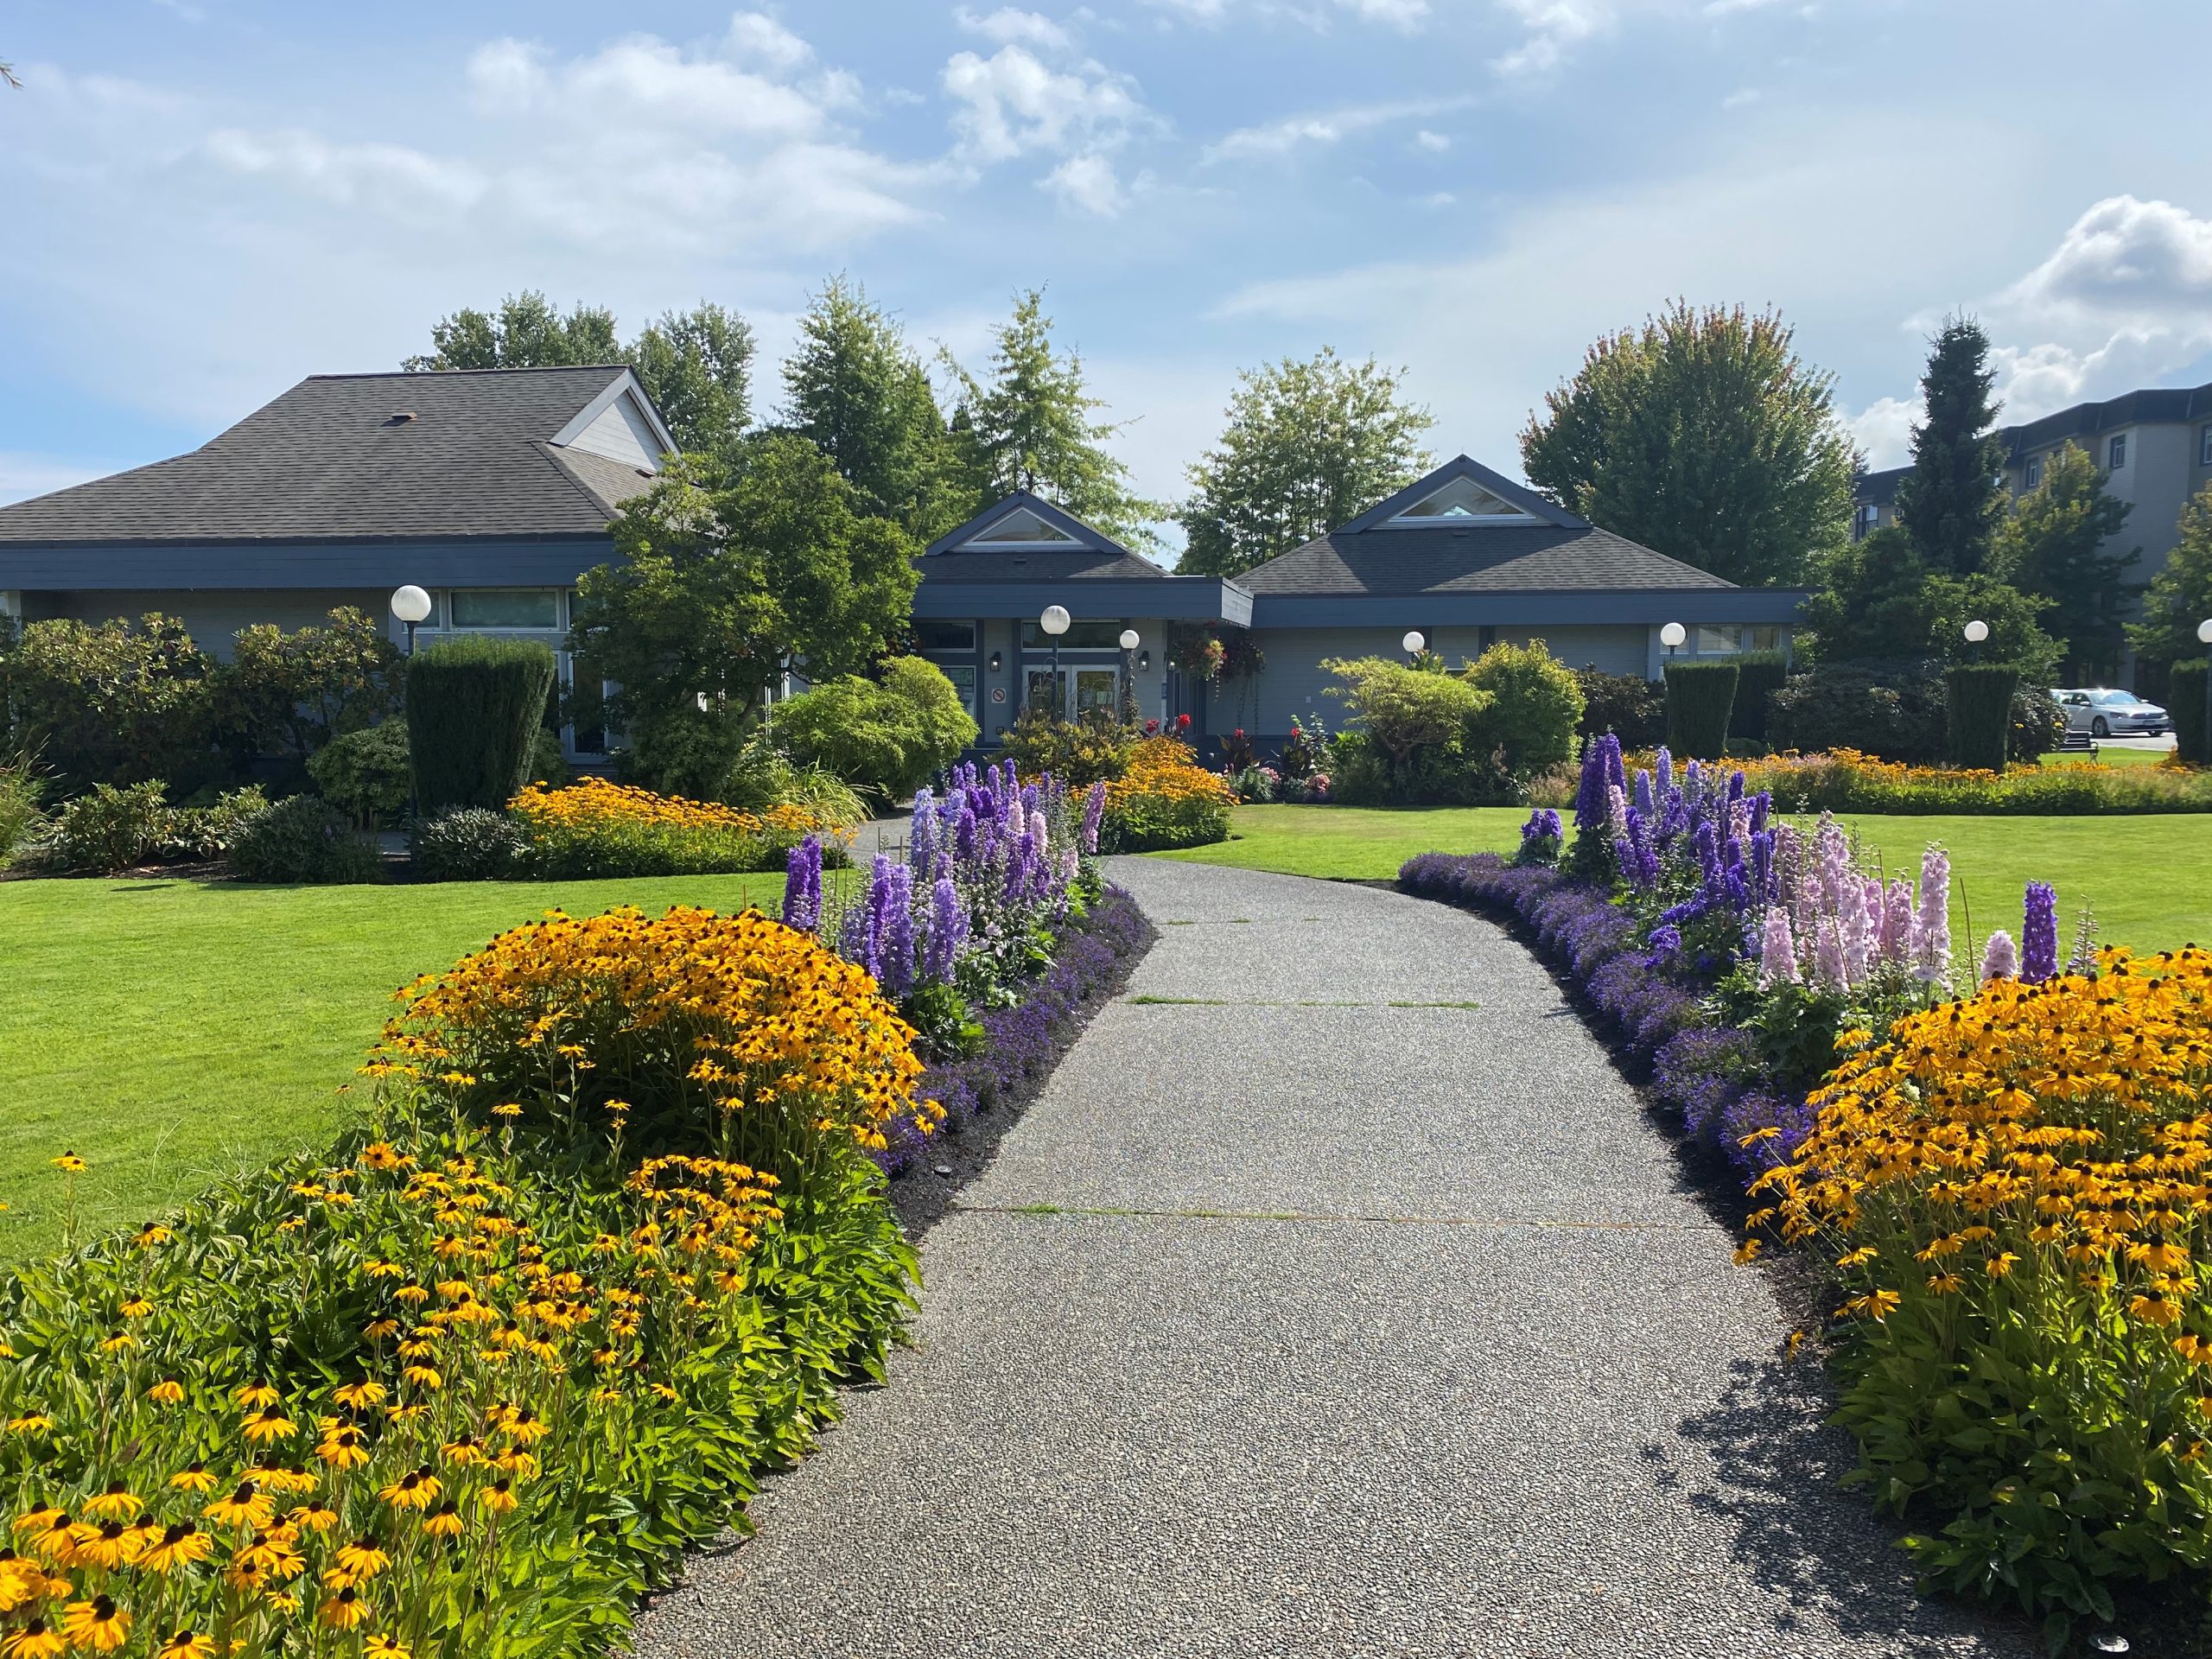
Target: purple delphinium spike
[
  {"x": 803, "y": 886},
  {"x": 2039, "y": 937},
  {"x": 895, "y": 949},
  {"x": 948, "y": 931},
  {"x": 1998, "y": 958},
  {"x": 1644, "y": 801},
  {"x": 922, "y": 838},
  {"x": 1664, "y": 765},
  {"x": 1094, "y": 812}
]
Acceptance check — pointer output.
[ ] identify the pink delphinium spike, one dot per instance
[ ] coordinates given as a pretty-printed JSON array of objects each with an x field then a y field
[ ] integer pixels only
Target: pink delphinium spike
[
  {"x": 1897, "y": 923},
  {"x": 1829, "y": 971},
  {"x": 1935, "y": 922},
  {"x": 1777, "y": 950},
  {"x": 2000, "y": 959}
]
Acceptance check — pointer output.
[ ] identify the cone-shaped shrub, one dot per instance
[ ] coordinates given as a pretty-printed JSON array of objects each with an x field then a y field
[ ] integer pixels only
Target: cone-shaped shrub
[
  {"x": 1980, "y": 702},
  {"x": 2185, "y": 702},
  {"x": 1759, "y": 674},
  {"x": 1699, "y": 697},
  {"x": 474, "y": 707}
]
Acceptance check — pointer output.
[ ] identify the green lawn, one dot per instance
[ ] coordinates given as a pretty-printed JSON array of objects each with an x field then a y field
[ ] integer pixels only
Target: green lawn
[
  {"x": 2106, "y": 755},
  {"x": 2149, "y": 877},
  {"x": 172, "y": 1031}
]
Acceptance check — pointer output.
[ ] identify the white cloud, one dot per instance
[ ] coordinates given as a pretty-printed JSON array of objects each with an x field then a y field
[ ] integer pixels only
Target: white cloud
[
  {"x": 1436, "y": 142},
  {"x": 1010, "y": 105},
  {"x": 1327, "y": 127},
  {"x": 387, "y": 178},
  {"x": 1406, "y": 15},
  {"x": 760, "y": 39},
  {"x": 1555, "y": 28},
  {"x": 1883, "y": 431},
  {"x": 1439, "y": 199},
  {"x": 1089, "y": 183},
  {"x": 1009, "y": 26}
]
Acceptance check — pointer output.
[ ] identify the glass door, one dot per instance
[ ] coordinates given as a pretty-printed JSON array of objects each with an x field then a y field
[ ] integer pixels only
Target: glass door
[{"x": 1083, "y": 691}]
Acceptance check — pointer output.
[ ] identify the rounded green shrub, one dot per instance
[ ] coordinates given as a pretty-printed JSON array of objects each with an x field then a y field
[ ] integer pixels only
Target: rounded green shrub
[
  {"x": 107, "y": 829},
  {"x": 474, "y": 844},
  {"x": 365, "y": 773},
  {"x": 1536, "y": 708},
  {"x": 475, "y": 710},
  {"x": 887, "y": 739},
  {"x": 305, "y": 839}
]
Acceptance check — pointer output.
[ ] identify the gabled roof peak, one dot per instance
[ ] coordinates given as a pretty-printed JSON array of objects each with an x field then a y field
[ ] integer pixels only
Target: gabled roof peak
[
  {"x": 1027, "y": 522},
  {"x": 1462, "y": 493}
]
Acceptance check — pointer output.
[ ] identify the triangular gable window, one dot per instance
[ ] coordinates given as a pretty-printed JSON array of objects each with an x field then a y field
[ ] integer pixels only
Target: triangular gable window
[
  {"x": 1459, "y": 500},
  {"x": 1022, "y": 527}
]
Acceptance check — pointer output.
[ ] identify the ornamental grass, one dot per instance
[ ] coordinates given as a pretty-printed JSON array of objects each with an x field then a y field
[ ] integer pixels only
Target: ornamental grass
[
  {"x": 1166, "y": 799},
  {"x": 593, "y": 828},
  {"x": 468, "y": 1384},
  {"x": 2014, "y": 1189}
]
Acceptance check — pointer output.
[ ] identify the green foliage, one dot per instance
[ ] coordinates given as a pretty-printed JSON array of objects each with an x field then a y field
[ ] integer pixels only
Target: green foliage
[
  {"x": 2179, "y": 597},
  {"x": 365, "y": 774},
  {"x": 1028, "y": 425},
  {"x": 1630, "y": 707},
  {"x": 203, "y": 834},
  {"x": 714, "y": 591},
  {"x": 1536, "y": 708},
  {"x": 1307, "y": 446},
  {"x": 686, "y": 751},
  {"x": 1897, "y": 711},
  {"x": 305, "y": 839},
  {"x": 2052, "y": 547},
  {"x": 290, "y": 693},
  {"x": 1834, "y": 783},
  {"x": 1979, "y": 704},
  {"x": 108, "y": 701},
  {"x": 527, "y": 333},
  {"x": 1703, "y": 435},
  {"x": 2184, "y": 702},
  {"x": 1403, "y": 711},
  {"x": 474, "y": 709},
  {"x": 474, "y": 844},
  {"x": 1079, "y": 753},
  {"x": 764, "y": 776},
  {"x": 107, "y": 829},
  {"x": 886, "y": 740},
  {"x": 1953, "y": 501},
  {"x": 696, "y": 367},
  {"x": 855, "y": 390},
  {"x": 22, "y": 786},
  {"x": 1700, "y": 696},
  {"x": 1879, "y": 601},
  {"x": 1760, "y": 675}
]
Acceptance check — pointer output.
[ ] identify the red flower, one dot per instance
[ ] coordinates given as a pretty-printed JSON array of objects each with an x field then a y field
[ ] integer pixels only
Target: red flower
[
  {"x": 1240, "y": 731},
  {"x": 1182, "y": 722},
  {"x": 1152, "y": 728}
]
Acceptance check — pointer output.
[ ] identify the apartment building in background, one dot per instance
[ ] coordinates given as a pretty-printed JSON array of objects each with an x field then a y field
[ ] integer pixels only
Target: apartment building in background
[{"x": 2154, "y": 448}]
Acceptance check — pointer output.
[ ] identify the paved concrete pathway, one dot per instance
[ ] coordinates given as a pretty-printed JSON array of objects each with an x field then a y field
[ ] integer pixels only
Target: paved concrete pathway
[{"x": 1314, "y": 1312}]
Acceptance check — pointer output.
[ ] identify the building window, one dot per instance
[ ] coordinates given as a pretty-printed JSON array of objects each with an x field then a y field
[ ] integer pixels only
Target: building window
[
  {"x": 1080, "y": 636},
  {"x": 2204, "y": 448},
  {"x": 962, "y": 675},
  {"x": 1719, "y": 642},
  {"x": 1868, "y": 516},
  {"x": 1766, "y": 639},
  {"x": 506, "y": 607},
  {"x": 945, "y": 636},
  {"x": 2118, "y": 453},
  {"x": 2033, "y": 474}
]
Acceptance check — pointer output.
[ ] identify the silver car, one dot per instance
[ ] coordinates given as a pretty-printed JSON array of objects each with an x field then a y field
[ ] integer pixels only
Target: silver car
[{"x": 2113, "y": 714}]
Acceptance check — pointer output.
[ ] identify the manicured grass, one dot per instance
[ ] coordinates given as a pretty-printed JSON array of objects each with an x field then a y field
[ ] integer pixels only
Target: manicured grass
[
  {"x": 2148, "y": 876},
  {"x": 172, "y": 1030},
  {"x": 2108, "y": 755}
]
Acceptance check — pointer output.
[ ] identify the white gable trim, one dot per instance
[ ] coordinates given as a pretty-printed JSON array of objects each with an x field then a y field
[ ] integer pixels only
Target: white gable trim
[
  {"x": 1048, "y": 537},
  {"x": 640, "y": 411},
  {"x": 1410, "y": 518}
]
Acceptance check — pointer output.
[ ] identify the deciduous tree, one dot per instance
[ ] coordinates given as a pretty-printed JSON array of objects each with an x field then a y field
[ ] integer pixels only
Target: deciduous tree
[
  {"x": 1703, "y": 435},
  {"x": 1306, "y": 446},
  {"x": 2180, "y": 596},
  {"x": 2056, "y": 546}
]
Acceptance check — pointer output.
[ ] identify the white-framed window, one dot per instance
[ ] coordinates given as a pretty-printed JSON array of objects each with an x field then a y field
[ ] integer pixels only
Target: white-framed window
[
  {"x": 962, "y": 675},
  {"x": 2116, "y": 453},
  {"x": 492, "y": 610},
  {"x": 1868, "y": 516},
  {"x": 2031, "y": 474},
  {"x": 930, "y": 634},
  {"x": 2204, "y": 447},
  {"x": 1718, "y": 641},
  {"x": 1769, "y": 638}
]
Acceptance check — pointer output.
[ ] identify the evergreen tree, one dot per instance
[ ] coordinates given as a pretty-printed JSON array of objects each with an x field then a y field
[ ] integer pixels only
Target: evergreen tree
[
  {"x": 1953, "y": 500},
  {"x": 1307, "y": 446},
  {"x": 855, "y": 389},
  {"x": 2053, "y": 546},
  {"x": 1030, "y": 427},
  {"x": 1703, "y": 435},
  {"x": 2179, "y": 597}
]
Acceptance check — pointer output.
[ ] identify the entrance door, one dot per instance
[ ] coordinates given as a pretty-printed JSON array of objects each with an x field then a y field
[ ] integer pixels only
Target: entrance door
[{"x": 1083, "y": 691}]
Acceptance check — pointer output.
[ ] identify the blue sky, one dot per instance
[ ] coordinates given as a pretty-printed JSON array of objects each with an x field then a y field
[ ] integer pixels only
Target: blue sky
[{"x": 209, "y": 198}]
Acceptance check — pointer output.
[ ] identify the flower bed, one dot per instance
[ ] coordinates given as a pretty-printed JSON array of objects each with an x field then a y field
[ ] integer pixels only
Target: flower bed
[
  {"x": 594, "y": 827},
  {"x": 470, "y": 1381},
  {"x": 2009, "y": 1176},
  {"x": 1844, "y": 780},
  {"x": 1164, "y": 799}
]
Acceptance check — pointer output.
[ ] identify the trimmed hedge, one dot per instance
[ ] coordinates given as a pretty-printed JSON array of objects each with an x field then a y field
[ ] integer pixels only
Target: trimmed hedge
[
  {"x": 1760, "y": 675},
  {"x": 1700, "y": 696},
  {"x": 2185, "y": 702},
  {"x": 1979, "y": 713},
  {"x": 474, "y": 707}
]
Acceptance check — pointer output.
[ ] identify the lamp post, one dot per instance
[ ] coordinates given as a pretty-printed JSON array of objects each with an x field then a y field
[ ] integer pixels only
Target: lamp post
[
  {"x": 1976, "y": 632},
  {"x": 1673, "y": 635},
  {"x": 1128, "y": 642},
  {"x": 1414, "y": 643},
  {"x": 410, "y": 604},
  {"x": 1054, "y": 620},
  {"x": 2204, "y": 737}
]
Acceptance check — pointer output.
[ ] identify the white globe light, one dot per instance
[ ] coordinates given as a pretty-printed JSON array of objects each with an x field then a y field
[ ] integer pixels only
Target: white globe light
[
  {"x": 411, "y": 603},
  {"x": 1054, "y": 620},
  {"x": 2204, "y": 631},
  {"x": 1672, "y": 634},
  {"x": 1414, "y": 643},
  {"x": 1976, "y": 632},
  {"x": 1129, "y": 639}
]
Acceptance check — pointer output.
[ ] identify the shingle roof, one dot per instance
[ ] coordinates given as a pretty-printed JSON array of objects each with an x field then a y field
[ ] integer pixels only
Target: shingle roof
[
  {"x": 327, "y": 461},
  {"x": 1033, "y": 565},
  {"x": 1880, "y": 489},
  {"x": 2154, "y": 405},
  {"x": 1487, "y": 558}
]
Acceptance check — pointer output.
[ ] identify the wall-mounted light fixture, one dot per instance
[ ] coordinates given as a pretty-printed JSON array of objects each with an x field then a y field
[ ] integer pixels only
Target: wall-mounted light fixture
[
  {"x": 996, "y": 659},
  {"x": 1144, "y": 660}
]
